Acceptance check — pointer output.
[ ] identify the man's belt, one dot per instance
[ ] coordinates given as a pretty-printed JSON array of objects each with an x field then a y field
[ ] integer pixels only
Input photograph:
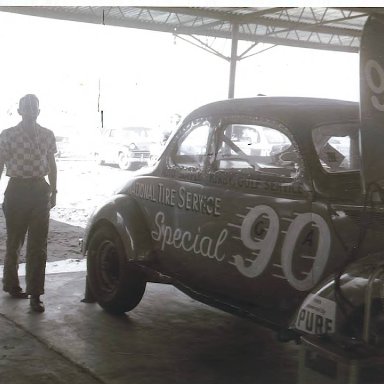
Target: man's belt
[{"x": 26, "y": 180}]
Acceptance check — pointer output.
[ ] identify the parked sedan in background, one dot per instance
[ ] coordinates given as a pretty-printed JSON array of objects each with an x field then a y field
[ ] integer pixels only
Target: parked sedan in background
[
  {"x": 128, "y": 147},
  {"x": 252, "y": 204},
  {"x": 63, "y": 146},
  {"x": 73, "y": 146}
]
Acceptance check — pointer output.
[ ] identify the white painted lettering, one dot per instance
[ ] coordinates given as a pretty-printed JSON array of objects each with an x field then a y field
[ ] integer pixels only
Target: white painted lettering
[
  {"x": 259, "y": 232},
  {"x": 205, "y": 246},
  {"x": 290, "y": 245},
  {"x": 372, "y": 67}
]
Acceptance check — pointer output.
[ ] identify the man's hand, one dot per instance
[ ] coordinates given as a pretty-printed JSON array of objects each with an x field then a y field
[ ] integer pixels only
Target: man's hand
[
  {"x": 53, "y": 199},
  {"x": 1, "y": 168},
  {"x": 52, "y": 177}
]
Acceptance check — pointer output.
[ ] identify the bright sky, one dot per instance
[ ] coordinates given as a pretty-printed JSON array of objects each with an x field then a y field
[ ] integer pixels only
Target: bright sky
[{"x": 145, "y": 76}]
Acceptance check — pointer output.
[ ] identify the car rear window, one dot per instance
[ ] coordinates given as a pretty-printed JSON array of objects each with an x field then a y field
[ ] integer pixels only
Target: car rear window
[{"x": 337, "y": 147}]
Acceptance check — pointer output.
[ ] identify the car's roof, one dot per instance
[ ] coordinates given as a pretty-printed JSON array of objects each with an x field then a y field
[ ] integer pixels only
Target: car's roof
[{"x": 289, "y": 110}]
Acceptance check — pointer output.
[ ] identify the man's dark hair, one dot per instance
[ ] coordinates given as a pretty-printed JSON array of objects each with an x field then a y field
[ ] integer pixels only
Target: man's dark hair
[{"x": 27, "y": 99}]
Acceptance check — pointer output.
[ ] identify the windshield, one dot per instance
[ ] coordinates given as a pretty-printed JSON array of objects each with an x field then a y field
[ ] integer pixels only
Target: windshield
[{"x": 337, "y": 147}]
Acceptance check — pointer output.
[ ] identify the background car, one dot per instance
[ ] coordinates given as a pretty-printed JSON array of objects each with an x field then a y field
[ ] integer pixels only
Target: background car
[
  {"x": 72, "y": 146},
  {"x": 128, "y": 147},
  {"x": 63, "y": 146},
  {"x": 241, "y": 223}
]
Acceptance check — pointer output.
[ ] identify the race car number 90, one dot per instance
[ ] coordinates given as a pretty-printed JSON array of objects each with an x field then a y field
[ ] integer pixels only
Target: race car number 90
[{"x": 264, "y": 247}]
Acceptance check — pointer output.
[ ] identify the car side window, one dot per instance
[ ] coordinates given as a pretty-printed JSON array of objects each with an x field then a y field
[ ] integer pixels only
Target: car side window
[
  {"x": 191, "y": 151},
  {"x": 256, "y": 147}
]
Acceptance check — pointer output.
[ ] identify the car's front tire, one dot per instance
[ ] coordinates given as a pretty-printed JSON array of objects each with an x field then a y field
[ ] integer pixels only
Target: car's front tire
[
  {"x": 118, "y": 286},
  {"x": 124, "y": 162}
]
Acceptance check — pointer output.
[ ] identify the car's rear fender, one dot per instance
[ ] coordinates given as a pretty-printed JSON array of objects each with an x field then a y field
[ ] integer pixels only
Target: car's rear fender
[
  {"x": 124, "y": 215},
  {"x": 333, "y": 302}
]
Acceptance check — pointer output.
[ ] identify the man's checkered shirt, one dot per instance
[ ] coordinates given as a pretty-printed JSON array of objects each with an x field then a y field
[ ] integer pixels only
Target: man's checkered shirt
[{"x": 25, "y": 154}]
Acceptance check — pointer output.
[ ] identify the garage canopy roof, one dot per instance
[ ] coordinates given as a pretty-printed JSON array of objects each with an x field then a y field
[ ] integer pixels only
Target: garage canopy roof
[{"x": 337, "y": 29}]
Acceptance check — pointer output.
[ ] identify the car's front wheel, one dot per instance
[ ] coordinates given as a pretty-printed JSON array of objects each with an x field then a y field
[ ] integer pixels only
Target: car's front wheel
[
  {"x": 118, "y": 286},
  {"x": 124, "y": 161}
]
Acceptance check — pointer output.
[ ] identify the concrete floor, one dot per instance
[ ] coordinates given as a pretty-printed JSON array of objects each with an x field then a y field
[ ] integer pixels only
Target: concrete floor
[{"x": 168, "y": 338}]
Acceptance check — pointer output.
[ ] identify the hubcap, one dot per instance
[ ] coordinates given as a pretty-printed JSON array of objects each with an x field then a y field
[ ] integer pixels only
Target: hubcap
[
  {"x": 109, "y": 266},
  {"x": 123, "y": 161}
]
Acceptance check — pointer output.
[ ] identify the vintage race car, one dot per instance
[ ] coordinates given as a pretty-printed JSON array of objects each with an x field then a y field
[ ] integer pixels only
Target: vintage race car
[{"x": 247, "y": 227}]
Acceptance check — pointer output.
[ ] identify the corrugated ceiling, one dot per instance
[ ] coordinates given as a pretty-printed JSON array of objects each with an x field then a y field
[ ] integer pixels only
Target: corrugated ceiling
[{"x": 337, "y": 29}]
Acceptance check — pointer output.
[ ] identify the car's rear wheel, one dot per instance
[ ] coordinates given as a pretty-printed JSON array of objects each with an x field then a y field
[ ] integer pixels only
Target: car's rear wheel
[
  {"x": 118, "y": 286},
  {"x": 124, "y": 162}
]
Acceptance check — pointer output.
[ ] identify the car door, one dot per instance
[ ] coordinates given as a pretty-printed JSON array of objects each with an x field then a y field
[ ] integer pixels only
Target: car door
[
  {"x": 260, "y": 239},
  {"x": 266, "y": 213},
  {"x": 237, "y": 221}
]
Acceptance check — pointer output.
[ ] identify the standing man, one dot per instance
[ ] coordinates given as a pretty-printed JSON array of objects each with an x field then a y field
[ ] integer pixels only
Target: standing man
[{"x": 28, "y": 152}]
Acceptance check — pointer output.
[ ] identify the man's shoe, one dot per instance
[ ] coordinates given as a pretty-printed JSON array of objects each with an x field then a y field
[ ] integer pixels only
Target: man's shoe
[
  {"x": 18, "y": 293},
  {"x": 36, "y": 304}
]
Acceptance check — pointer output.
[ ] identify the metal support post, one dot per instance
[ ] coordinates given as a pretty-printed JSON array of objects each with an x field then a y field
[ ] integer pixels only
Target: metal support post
[
  {"x": 368, "y": 302},
  {"x": 233, "y": 62}
]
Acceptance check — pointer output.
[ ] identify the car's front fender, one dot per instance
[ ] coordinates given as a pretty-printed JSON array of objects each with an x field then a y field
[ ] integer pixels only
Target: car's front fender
[{"x": 125, "y": 216}]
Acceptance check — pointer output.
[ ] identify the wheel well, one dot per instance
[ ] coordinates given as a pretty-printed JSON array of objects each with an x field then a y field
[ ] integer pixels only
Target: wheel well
[
  {"x": 142, "y": 252},
  {"x": 95, "y": 227},
  {"x": 131, "y": 227}
]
